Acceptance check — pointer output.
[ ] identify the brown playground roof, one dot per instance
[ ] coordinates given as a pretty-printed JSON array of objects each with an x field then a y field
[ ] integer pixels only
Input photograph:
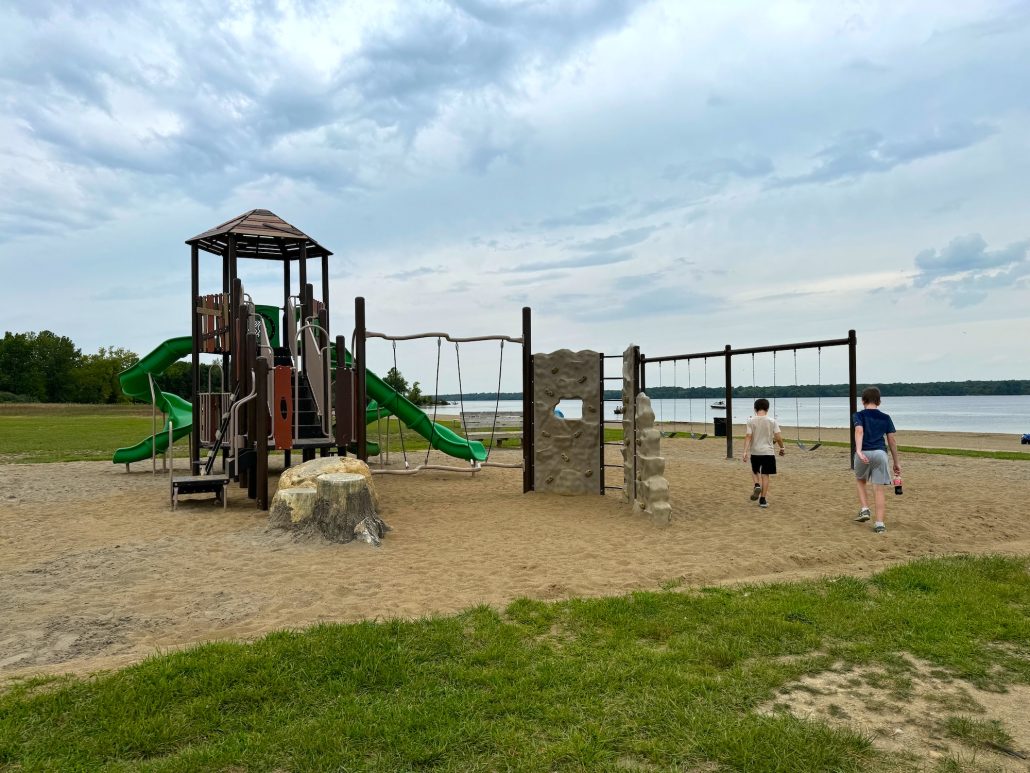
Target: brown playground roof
[{"x": 259, "y": 234}]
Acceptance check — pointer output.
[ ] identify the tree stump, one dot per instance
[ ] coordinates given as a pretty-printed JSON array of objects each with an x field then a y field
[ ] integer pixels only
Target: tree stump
[
  {"x": 344, "y": 509},
  {"x": 292, "y": 508}
]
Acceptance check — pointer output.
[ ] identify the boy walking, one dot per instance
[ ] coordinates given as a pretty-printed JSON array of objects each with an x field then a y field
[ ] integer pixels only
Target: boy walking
[
  {"x": 762, "y": 433},
  {"x": 874, "y": 434}
]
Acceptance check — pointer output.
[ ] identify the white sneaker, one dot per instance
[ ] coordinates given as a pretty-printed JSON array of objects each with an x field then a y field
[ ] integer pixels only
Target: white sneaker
[{"x": 863, "y": 515}]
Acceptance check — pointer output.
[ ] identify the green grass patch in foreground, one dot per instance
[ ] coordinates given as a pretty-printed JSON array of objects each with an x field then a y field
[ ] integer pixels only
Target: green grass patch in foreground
[{"x": 650, "y": 681}]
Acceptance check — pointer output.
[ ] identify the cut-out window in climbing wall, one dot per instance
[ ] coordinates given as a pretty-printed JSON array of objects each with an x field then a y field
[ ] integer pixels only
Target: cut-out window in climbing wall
[{"x": 569, "y": 408}]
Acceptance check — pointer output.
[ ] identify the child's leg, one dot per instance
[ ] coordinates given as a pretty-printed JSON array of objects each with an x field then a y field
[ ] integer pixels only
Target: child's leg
[
  {"x": 765, "y": 484},
  {"x": 863, "y": 497},
  {"x": 879, "y": 494}
]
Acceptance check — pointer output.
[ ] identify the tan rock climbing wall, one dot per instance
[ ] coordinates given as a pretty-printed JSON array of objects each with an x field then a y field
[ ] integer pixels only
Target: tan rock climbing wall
[
  {"x": 629, "y": 424},
  {"x": 567, "y": 454},
  {"x": 652, "y": 487}
]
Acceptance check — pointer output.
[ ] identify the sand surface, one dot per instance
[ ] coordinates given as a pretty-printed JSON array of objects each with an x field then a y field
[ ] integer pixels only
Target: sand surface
[{"x": 98, "y": 572}]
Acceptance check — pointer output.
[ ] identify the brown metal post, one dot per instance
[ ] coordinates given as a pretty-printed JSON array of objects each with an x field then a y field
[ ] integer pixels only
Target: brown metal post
[
  {"x": 261, "y": 432},
  {"x": 195, "y": 332},
  {"x": 636, "y": 389},
  {"x": 252, "y": 410},
  {"x": 325, "y": 281},
  {"x": 327, "y": 376},
  {"x": 343, "y": 399},
  {"x": 642, "y": 376},
  {"x": 600, "y": 358},
  {"x": 286, "y": 301},
  {"x": 360, "y": 396},
  {"x": 226, "y": 286},
  {"x": 528, "y": 429},
  {"x": 852, "y": 388},
  {"x": 729, "y": 402}
]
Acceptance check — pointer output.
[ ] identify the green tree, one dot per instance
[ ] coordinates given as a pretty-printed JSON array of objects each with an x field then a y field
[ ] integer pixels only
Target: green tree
[
  {"x": 415, "y": 394},
  {"x": 96, "y": 378},
  {"x": 18, "y": 371},
  {"x": 396, "y": 381}
]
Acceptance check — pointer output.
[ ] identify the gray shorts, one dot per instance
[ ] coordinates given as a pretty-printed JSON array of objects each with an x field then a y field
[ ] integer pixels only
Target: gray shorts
[{"x": 876, "y": 471}]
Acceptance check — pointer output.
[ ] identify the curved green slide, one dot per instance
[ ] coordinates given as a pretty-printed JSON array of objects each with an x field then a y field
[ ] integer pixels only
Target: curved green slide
[
  {"x": 440, "y": 437},
  {"x": 136, "y": 385}
]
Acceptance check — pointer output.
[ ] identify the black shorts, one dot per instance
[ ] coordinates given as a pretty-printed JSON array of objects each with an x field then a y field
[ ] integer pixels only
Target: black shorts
[{"x": 766, "y": 465}]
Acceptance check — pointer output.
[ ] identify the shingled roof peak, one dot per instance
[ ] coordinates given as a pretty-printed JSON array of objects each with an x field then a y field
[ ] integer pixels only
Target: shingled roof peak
[{"x": 260, "y": 233}]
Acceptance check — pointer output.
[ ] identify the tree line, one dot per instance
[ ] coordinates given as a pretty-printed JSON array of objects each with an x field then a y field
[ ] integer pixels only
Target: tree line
[{"x": 45, "y": 367}]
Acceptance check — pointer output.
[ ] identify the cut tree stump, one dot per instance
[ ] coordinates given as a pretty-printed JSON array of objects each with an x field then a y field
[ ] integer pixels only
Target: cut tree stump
[
  {"x": 344, "y": 510},
  {"x": 292, "y": 508}
]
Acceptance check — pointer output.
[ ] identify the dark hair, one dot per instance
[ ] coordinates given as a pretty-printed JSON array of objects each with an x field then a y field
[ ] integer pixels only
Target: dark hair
[
  {"x": 871, "y": 395},
  {"x": 761, "y": 404}
]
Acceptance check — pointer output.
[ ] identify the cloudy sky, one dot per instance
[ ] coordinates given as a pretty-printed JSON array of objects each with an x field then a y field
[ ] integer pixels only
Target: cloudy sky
[{"x": 679, "y": 175}]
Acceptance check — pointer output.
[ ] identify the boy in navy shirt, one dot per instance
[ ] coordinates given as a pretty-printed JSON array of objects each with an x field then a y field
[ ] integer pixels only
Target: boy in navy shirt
[{"x": 874, "y": 434}]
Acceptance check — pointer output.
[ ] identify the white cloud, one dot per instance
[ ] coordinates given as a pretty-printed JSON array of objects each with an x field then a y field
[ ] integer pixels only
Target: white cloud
[{"x": 463, "y": 158}]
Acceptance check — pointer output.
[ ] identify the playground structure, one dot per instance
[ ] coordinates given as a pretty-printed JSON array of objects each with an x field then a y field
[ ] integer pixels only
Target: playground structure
[
  {"x": 287, "y": 386},
  {"x": 728, "y": 353}
]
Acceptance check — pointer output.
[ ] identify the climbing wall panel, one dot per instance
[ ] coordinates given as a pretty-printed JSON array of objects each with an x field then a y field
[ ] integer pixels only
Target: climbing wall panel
[{"x": 566, "y": 457}]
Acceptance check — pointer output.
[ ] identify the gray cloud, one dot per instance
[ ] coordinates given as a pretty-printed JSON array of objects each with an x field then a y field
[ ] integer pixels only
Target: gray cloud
[
  {"x": 858, "y": 153},
  {"x": 582, "y": 261},
  {"x": 414, "y": 273},
  {"x": 965, "y": 271},
  {"x": 593, "y": 215},
  {"x": 656, "y": 302},
  {"x": 203, "y": 109},
  {"x": 616, "y": 241},
  {"x": 718, "y": 171}
]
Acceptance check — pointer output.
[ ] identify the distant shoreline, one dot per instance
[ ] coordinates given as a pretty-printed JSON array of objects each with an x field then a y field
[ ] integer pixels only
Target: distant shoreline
[{"x": 998, "y": 388}]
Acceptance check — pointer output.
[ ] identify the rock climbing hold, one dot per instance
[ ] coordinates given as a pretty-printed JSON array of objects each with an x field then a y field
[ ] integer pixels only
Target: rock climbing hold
[
  {"x": 565, "y": 457},
  {"x": 588, "y": 473},
  {"x": 554, "y": 369}
]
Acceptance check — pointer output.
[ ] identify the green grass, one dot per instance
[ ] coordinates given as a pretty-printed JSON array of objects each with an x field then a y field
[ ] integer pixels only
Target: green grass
[
  {"x": 71, "y": 433},
  {"x": 650, "y": 681}
]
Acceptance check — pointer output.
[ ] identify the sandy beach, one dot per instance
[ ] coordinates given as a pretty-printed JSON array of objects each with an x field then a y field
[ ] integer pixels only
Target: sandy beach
[{"x": 99, "y": 572}]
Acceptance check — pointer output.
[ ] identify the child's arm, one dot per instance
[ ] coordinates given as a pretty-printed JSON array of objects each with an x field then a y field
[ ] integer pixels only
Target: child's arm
[
  {"x": 747, "y": 445},
  {"x": 892, "y": 444},
  {"x": 859, "y": 433},
  {"x": 778, "y": 437}
]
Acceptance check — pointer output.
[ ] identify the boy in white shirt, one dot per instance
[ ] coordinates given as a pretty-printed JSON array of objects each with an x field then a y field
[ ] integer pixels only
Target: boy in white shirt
[{"x": 762, "y": 433}]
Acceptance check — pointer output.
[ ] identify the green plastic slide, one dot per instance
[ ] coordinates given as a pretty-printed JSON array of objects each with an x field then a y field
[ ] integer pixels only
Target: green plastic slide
[
  {"x": 136, "y": 384},
  {"x": 385, "y": 401},
  {"x": 440, "y": 437}
]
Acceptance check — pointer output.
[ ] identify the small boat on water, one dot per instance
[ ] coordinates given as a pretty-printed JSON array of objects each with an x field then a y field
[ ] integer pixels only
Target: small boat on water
[{"x": 719, "y": 405}]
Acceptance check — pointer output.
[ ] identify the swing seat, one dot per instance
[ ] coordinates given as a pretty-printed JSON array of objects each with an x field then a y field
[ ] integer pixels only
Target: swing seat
[
  {"x": 812, "y": 447},
  {"x": 698, "y": 436},
  {"x": 670, "y": 434}
]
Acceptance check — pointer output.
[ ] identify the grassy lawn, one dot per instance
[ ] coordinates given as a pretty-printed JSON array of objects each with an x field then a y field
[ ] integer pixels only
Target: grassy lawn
[
  {"x": 69, "y": 433},
  {"x": 652, "y": 681}
]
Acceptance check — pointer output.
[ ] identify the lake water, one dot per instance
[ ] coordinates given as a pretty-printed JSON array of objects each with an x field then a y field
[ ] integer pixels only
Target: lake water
[{"x": 1005, "y": 414}]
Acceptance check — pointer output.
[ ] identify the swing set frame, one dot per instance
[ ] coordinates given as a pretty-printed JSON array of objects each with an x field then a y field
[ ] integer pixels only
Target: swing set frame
[
  {"x": 360, "y": 393},
  {"x": 728, "y": 353}
]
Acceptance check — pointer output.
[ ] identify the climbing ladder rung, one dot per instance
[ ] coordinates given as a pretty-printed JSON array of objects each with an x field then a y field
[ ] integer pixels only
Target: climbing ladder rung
[
  {"x": 614, "y": 488},
  {"x": 619, "y": 466},
  {"x": 615, "y": 443}
]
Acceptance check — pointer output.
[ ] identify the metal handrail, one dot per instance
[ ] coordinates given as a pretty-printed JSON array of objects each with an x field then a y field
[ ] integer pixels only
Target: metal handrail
[{"x": 234, "y": 411}]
